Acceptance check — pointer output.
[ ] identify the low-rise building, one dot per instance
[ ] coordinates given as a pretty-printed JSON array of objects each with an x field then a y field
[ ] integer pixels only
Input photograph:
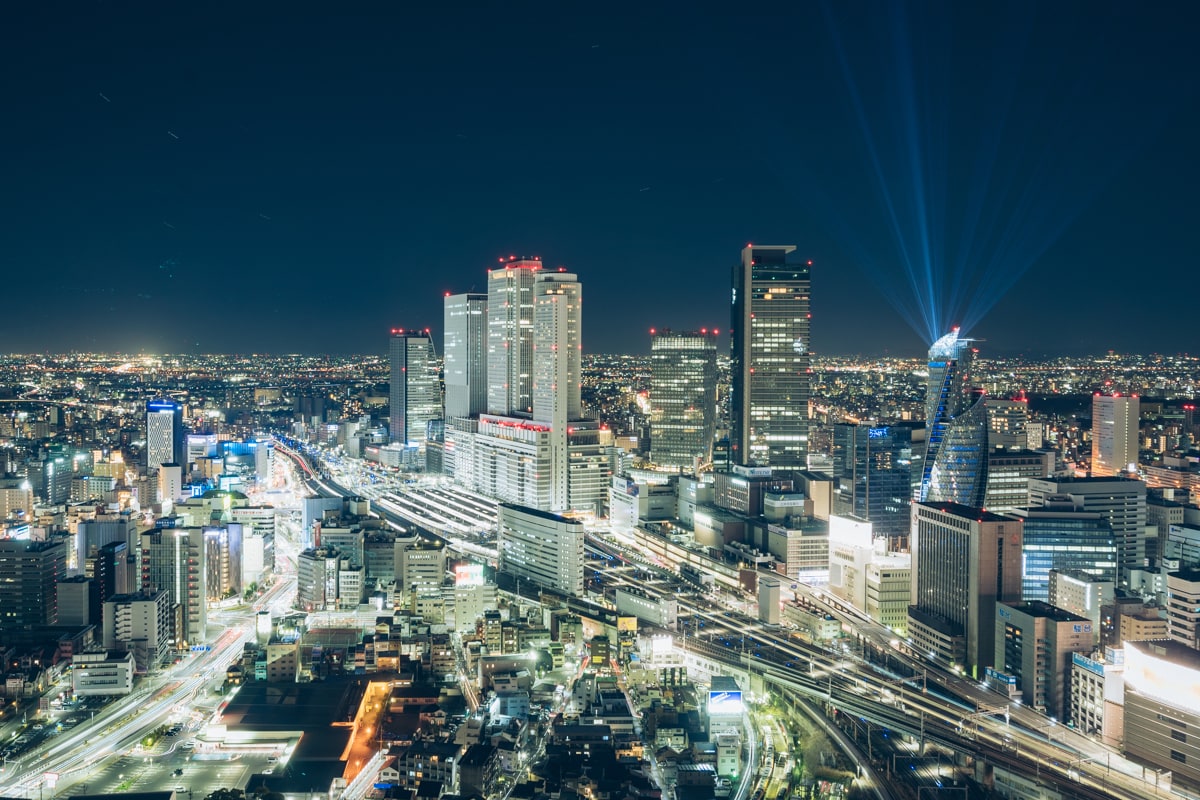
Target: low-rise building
[{"x": 102, "y": 673}]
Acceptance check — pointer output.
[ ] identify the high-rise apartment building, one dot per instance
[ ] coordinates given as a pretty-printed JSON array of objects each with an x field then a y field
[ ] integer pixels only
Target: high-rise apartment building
[
  {"x": 173, "y": 561},
  {"x": 1114, "y": 434},
  {"x": 510, "y": 336},
  {"x": 542, "y": 548},
  {"x": 964, "y": 561},
  {"x": 464, "y": 354},
  {"x": 29, "y": 575},
  {"x": 165, "y": 434},
  {"x": 140, "y": 624},
  {"x": 956, "y": 425},
  {"x": 872, "y": 467},
  {"x": 1121, "y": 502},
  {"x": 683, "y": 398},
  {"x": 771, "y": 358},
  {"x": 413, "y": 392}
]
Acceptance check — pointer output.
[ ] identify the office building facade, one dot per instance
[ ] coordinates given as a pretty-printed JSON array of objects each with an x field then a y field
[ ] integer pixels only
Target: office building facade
[
  {"x": 510, "y": 336},
  {"x": 771, "y": 358},
  {"x": 1114, "y": 434},
  {"x": 683, "y": 398},
  {"x": 543, "y": 548},
  {"x": 873, "y": 469},
  {"x": 964, "y": 561},
  {"x": 30, "y": 572},
  {"x": 1060, "y": 535},
  {"x": 1120, "y": 501},
  {"x": 414, "y": 391},
  {"x": 464, "y": 354}
]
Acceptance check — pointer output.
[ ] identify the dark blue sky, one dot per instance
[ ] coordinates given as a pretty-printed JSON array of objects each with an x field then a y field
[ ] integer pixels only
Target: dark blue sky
[{"x": 278, "y": 178}]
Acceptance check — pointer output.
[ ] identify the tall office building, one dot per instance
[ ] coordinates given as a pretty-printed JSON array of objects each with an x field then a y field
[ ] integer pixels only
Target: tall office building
[
  {"x": 964, "y": 562},
  {"x": 173, "y": 561},
  {"x": 1114, "y": 434},
  {"x": 165, "y": 434},
  {"x": 1062, "y": 535},
  {"x": 464, "y": 354},
  {"x": 872, "y": 466},
  {"x": 771, "y": 358},
  {"x": 683, "y": 398},
  {"x": 510, "y": 336},
  {"x": 542, "y": 548},
  {"x": 1008, "y": 474},
  {"x": 956, "y": 424},
  {"x": 532, "y": 446},
  {"x": 1121, "y": 502},
  {"x": 414, "y": 395},
  {"x": 29, "y": 576},
  {"x": 557, "y": 370},
  {"x": 109, "y": 574}
]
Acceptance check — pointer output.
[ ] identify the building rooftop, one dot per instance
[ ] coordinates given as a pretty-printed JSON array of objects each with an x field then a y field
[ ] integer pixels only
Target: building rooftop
[
  {"x": 534, "y": 512},
  {"x": 1040, "y": 608},
  {"x": 967, "y": 512}
]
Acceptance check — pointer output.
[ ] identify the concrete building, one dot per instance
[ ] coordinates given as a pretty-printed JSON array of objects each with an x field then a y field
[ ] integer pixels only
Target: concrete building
[
  {"x": 1115, "y": 420},
  {"x": 173, "y": 560},
  {"x": 769, "y": 600},
  {"x": 422, "y": 567},
  {"x": 1008, "y": 424},
  {"x": 16, "y": 498},
  {"x": 1183, "y": 607},
  {"x": 139, "y": 624},
  {"x": 1034, "y": 643},
  {"x": 29, "y": 575},
  {"x": 1080, "y": 593},
  {"x": 889, "y": 591},
  {"x": 659, "y": 610},
  {"x": 317, "y": 578},
  {"x": 964, "y": 561},
  {"x": 97, "y": 674},
  {"x": 541, "y": 547},
  {"x": 1098, "y": 695}
]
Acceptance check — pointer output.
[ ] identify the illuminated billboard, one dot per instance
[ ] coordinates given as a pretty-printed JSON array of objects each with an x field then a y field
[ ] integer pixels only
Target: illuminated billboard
[
  {"x": 725, "y": 703},
  {"x": 1168, "y": 681},
  {"x": 627, "y": 624},
  {"x": 468, "y": 575}
]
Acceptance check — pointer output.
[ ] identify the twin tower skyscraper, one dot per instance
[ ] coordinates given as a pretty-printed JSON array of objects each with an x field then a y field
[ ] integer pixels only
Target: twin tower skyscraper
[{"x": 512, "y": 372}]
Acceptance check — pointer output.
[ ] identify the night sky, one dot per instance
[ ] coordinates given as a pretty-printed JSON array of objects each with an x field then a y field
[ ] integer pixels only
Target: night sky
[{"x": 253, "y": 177}]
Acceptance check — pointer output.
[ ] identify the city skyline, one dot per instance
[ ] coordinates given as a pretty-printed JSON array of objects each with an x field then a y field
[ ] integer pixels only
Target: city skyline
[{"x": 322, "y": 157}]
